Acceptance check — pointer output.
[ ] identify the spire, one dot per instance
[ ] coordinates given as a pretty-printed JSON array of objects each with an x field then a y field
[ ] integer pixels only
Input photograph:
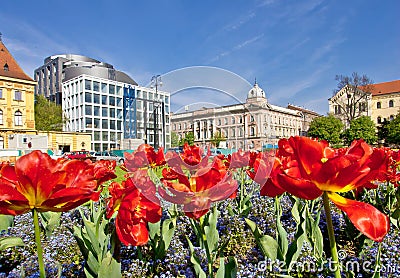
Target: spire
[{"x": 255, "y": 80}]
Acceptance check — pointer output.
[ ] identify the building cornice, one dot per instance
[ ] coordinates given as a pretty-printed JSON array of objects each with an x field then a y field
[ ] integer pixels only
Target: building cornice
[{"x": 17, "y": 80}]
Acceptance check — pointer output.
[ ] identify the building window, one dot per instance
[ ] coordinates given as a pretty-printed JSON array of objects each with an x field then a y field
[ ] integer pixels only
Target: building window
[
  {"x": 1, "y": 142},
  {"x": 88, "y": 85},
  {"x": 18, "y": 95},
  {"x": 6, "y": 68},
  {"x": 362, "y": 107},
  {"x": 252, "y": 131},
  {"x": 96, "y": 86},
  {"x": 391, "y": 117},
  {"x": 18, "y": 118},
  {"x": 379, "y": 120},
  {"x": 233, "y": 120},
  {"x": 96, "y": 99},
  {"x": 391, "y": 103},
  {"x": 1, "y": 93},
  {"x": 378, "y": 105},
  {"x": 103, "y": 87},
  {"x": 1, "y": 117},
  {"x": 112, "y": 89}
]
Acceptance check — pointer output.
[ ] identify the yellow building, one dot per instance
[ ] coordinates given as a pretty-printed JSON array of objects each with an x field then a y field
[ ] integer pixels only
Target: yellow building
[
  {"x": 380, "y": 101},
  {"x": 16, "y": 98},
  {"x": 385, "y": 101}
]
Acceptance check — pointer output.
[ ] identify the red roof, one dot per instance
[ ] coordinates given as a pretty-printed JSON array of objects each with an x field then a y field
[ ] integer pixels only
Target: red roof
[
  {"x": 9, "y": 67},
  {"x": 385, "y": 88}
]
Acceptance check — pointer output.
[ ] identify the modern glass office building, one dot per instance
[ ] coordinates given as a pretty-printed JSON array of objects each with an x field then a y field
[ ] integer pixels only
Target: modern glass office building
[{"x": 107, "y": 103}]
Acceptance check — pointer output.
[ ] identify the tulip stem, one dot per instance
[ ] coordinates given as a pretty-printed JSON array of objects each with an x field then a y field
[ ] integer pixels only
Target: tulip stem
[
  {"x": 331, "y": 233},
  {"x": 42, "y": 271},
  {"x": 207, "y": 248}
]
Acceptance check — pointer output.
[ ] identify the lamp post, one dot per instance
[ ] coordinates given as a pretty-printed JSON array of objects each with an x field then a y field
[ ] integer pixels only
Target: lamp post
[
  {"x": 155, "y": 83},
  {"x": 244, "y": 127},
  {"x": 349, "y": 110}
]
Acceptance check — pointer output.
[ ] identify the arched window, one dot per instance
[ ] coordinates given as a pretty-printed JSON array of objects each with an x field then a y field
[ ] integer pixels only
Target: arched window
[
  {"x": 379, "y": 120},
  {"x": 18, "y": 118},
  {"x": 1, "y": 117},
  {"x": 391, "y": 103},
  {"x": 378, "y": 105},
  {"x": 391, "y": 117}
]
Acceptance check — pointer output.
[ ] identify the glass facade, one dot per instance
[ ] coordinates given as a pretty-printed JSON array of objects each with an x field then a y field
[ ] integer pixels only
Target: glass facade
[{"x": 96, "y": 106}]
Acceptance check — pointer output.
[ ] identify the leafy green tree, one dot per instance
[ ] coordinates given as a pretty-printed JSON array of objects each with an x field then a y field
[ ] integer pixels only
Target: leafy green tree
[
  {"x": 383, "y": 131},
  {"x": 174, "y": 139},
  {"x": 189, "y": 138},
  {"x": 326, "y": 128},
  {"x": 361, "y": 128},
  {"x": 217, "y": 138},
  {"x": 393, "y": 131},
  {"x": 48, "y": 115}
]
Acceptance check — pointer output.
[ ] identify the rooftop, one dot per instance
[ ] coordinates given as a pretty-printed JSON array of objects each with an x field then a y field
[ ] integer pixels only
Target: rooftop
[
  {"x": 385, "y": 88},
  {"x": 9, "y": 67}
]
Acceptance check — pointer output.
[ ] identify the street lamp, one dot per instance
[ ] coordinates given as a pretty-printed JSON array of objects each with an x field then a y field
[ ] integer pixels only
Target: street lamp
[
  {"x": 348, "y": 110},
  {"x": 155, "y": 83}
]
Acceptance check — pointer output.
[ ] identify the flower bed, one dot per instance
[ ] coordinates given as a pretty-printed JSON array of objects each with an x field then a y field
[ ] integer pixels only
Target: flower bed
[{"x": 214, "y": 233}]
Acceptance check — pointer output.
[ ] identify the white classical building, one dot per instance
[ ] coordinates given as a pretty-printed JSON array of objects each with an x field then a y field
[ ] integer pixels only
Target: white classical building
[{"x": 256, "y": 124}]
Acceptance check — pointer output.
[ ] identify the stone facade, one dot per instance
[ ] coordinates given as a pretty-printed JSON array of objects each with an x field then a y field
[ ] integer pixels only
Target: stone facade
[{"x": 253, "y": 125}]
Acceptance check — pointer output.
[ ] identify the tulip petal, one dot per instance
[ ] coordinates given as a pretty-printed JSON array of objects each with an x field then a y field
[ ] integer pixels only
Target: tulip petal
[
  {"x": 270, "y": 189},
  {"x": 299, "y": 187},
  {"x": 365, "y": 217}
]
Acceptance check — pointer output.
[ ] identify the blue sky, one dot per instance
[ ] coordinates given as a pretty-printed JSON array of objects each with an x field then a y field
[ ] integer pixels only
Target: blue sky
[{"x": 294, "y": 48}]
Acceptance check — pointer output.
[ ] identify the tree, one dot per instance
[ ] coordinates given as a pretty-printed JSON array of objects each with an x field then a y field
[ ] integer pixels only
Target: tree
[
  {"x": 48, "y": 115},
  {"x": 189, "y": 138},
  {"x": 393, "y": 131},
  {"x": 326, "y": 128},
  {"x": 361, "y": 128},
  {"x": 357, "y": 90},
  {"x": 217, "y": 138},
  {"x": 383, "y": 131},
  {"x": 174, "y": 139}
]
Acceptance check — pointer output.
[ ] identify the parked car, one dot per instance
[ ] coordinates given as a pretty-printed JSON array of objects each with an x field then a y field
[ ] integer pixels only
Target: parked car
[
  {"x": 176, "y": 149},
  {"x": 108, "y": 156},
  {"x": 78, "y": 155}
]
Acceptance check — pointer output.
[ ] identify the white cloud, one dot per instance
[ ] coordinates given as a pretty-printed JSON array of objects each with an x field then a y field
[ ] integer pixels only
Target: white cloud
[{"x": 235, "y": 48}]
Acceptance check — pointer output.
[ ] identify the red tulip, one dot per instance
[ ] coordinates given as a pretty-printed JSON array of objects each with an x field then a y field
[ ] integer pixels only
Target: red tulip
[
  {"x": 191, "y": 159},
  {"x": 238, "y": 159},
  {"x": 310, "y": 167},
  {"x": 198, "y": 191},
  {"x": 144, "y": 156},
  {"x": 134, "y": 212},
  {"x": 39, "y": 182},
  {"x": 261, "y": 164}
]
